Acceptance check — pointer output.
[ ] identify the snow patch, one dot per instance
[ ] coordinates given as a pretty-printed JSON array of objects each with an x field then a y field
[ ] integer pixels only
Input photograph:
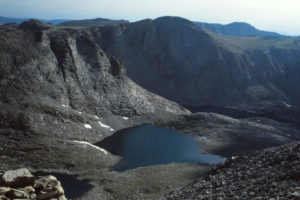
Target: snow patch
[
  {"x": 96, "y": 117},
  {"x": 168, "y": 109},
  {"x": 201, "y": 138},
  {"x": 63, "y": 105},
  {"x": 286, "y": 104},
  {"x": 126, "y": 118},
  {"x": 105, "y": 126},
  {"x": 87, "y": 126},
  {"x": 91, "y": 145}
]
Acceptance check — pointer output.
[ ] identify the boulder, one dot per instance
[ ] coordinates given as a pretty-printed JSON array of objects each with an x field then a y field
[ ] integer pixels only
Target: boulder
[
  {"x": 48, "y": 187},
  {"x": 17, "y": 194},
  {"x": 3, "y": 198},
  {"x": 4, "y": 190},
  {"x": 17, "y": 178},
  {"x": 62, "y": 197}
]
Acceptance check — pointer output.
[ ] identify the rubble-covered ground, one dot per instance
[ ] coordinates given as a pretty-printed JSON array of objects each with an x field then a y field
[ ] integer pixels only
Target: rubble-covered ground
[{"x": 273, "y": 173}]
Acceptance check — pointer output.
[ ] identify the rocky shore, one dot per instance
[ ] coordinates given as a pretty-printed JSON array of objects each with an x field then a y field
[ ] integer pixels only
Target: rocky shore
[
  {"x": 21, "y": 184},
  {"x": 271, "y": 174}
]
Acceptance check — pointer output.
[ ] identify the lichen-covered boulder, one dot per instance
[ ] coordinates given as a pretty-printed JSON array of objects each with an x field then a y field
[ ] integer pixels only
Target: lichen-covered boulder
[
  {"x": 48, "y": 187},
  {"x": 17, "y": 178}
]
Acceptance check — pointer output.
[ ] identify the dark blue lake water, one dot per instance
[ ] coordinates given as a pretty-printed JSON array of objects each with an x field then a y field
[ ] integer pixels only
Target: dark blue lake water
[{"x": 148, "y": 145}]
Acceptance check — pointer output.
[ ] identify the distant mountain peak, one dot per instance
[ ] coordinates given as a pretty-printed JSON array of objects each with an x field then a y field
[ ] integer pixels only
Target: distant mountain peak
[
  {"x": 175, "y": 19},
  {"x": 172, "y": 19},
  {"x": 93, "y": 22},
  {"x": 8, "y": 20},
  {"x": 241, "y": 23},
  {"x": 34, "y": 24},
  {"x": 241, "y": 29}
]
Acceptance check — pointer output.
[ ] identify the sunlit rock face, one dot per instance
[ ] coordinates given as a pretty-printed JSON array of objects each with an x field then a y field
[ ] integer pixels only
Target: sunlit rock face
[{"x": 56, "y": 77}]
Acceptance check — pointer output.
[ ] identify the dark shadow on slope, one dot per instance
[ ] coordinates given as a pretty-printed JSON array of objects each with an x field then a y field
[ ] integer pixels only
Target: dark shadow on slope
[{"x": 281, "y": 114}]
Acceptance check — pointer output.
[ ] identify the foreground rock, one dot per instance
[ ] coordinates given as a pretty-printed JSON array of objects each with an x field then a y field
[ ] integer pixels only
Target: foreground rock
[
  {"x": 21, "y": 184},
  {"x": 272, "y": 173}
]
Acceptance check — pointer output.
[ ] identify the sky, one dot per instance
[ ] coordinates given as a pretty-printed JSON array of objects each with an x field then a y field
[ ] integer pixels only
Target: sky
[{"x": 281, "y": 16}]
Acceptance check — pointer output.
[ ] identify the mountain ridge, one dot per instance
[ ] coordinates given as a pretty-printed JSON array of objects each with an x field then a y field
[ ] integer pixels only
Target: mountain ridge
[
  {"x": 7, "y": 20},
  {"x": 241, "y": 29},
  {"x": 93, "y": 22}
]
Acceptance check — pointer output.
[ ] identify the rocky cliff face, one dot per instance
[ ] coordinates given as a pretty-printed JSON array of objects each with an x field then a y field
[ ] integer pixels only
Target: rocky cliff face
[
  {"x": 176, "y": 59},
  {"x": 63, "y": 73}
]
